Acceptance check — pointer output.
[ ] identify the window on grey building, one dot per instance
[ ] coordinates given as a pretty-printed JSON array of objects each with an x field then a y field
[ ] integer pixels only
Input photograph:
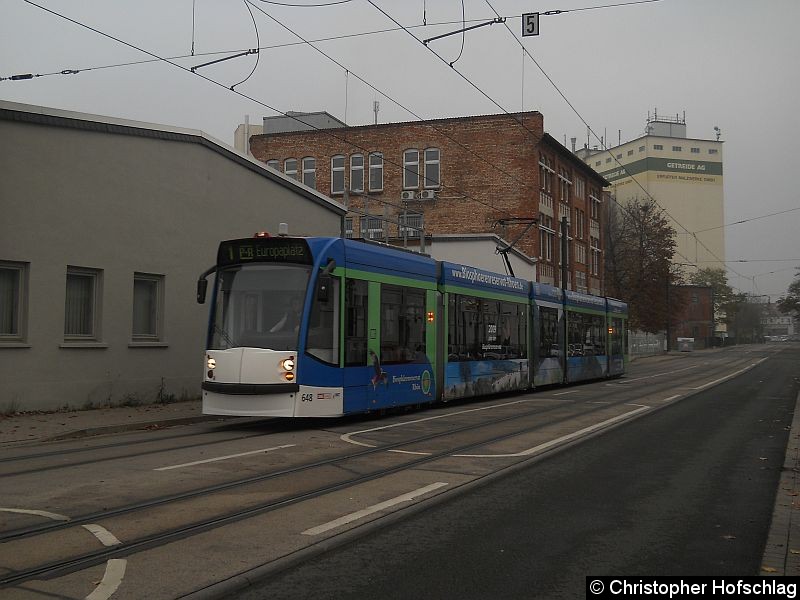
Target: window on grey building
[
  {"x": 658, "y": 147},
  {"x": 357, "y": 173},
  {"x": 12, "y": 301},
  {"x": 290, "y": 167},
  {"x": 713, "y": 151},
  {"x": 81, "y": 307},
  {"x": 411, "y": 169},
  {"x": 677, "y": 149},
  {"x": 147, "y": 307},
  {"x": 695, "y": 150},
  {"x": 630, "y": 152},
  {"x": 337, "y": 174},
  {"x": 375, "y": 172},
  {"x": 432, "y": 168},
  {"x": 641, "y": 148},
  {"x": 310, "y": 172}
]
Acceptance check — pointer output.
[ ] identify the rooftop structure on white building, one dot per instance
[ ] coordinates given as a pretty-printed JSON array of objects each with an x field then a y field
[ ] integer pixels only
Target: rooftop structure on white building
[{"x": 682, "y": 174}]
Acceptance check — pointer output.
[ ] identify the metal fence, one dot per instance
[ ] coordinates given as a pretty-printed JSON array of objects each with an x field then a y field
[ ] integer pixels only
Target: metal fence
[{"x": 641, "y": 343}]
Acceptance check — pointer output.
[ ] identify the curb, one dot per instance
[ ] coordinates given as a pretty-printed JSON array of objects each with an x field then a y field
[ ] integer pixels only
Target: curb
[
  {"x": 107, "y": 429},
  {"x": 782, "y": 551}
]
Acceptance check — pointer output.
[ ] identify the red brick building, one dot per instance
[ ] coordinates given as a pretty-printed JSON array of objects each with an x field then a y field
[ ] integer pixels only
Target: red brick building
[
  {"x": 694, "y": 317},
  {"x": 461, "y": 175}
]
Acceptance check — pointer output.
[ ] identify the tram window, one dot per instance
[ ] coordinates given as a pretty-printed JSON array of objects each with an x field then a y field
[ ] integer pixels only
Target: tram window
[
  {"x": 355, "y": 322},
  {"x": 323, "y": 327},
  {"x": 481, "y": 329},
  {"x": 617, "y": 336},
  {"x": 548, "y": 333},
  {"x": 585, "y": 334},
  {"x": 402, "y": 324}
]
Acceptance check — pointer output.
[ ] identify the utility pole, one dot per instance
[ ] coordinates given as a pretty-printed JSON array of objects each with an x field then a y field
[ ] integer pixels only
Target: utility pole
[
  {"x": 668, "y": 315},
  {"x": 564, "y": 272}
]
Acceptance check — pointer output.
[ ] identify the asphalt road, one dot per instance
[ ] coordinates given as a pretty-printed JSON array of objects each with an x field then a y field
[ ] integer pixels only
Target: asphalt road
[{"x": 687, "y": 490}]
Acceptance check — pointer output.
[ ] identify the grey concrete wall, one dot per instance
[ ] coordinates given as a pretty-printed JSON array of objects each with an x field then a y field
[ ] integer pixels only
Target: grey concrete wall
[{"x": 123, "y": 204}]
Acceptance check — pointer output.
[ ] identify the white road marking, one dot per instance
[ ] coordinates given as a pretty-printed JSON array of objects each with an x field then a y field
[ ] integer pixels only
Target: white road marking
[
  {"x": 104, "y": 535},
  {"x": 115, "y": 571},
  {"x": 347, "y": 437},
  {"x": 115, "y": 567},
  {"x": 624, "y": 381},
  {"x": 373, "y": 509},
  {"x": 209, "y": 460},
  {"x": 38, "y": 513},
  {"x": 721, "y": 379},
  {"x": 565, "y": 393},
  {"x": 563, "y": 439}
]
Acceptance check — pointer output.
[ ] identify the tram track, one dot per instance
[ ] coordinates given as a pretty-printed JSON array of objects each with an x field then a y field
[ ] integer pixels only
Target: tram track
[
  {"x": 275, "y": 426},
  {"x": 62, "y": 567}
]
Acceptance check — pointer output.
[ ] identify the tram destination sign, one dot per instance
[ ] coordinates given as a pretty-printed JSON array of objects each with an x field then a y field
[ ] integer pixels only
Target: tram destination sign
[{"x": 274, "y": 250}]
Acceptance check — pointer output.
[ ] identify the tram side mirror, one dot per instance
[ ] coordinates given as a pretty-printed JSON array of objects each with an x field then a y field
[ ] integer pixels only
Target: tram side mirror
[{"x": 202, "y": 286}]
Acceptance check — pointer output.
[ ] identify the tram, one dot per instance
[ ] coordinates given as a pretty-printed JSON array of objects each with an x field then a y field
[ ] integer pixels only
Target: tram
[{"x": 326, "y": 327}]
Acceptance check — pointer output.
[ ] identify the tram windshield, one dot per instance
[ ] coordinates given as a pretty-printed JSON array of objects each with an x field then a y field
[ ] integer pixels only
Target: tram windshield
[{"x": 259, "y": 306}]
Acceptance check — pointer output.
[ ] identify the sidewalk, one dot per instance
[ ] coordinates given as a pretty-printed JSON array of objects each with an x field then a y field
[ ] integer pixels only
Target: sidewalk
[
  {"x": 782, "y": 552},
  {"x": 40, "y": 427}
]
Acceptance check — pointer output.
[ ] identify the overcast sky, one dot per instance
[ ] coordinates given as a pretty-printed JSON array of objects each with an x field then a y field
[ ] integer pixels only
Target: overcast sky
[{"x": 726, "y": 63}]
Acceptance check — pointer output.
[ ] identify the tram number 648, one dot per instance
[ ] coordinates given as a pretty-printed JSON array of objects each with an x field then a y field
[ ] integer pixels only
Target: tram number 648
[{"x": 306, "y": 397}]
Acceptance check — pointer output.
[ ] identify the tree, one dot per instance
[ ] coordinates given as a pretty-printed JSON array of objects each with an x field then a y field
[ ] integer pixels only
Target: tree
[
  {"x": 745, "y": 319},
  {"x": 639, "y": 270},
  {"x": 716, "y": 279},
  {"x": 790, "y": 304}
]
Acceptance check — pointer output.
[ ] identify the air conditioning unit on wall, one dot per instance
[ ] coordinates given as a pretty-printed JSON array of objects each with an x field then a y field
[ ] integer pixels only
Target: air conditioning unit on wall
[
  {"x": 407, "y": 195},
  {"x": 427, "y": 194}
]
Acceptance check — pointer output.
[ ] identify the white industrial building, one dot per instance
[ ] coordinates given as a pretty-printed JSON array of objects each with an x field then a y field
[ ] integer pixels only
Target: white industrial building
[{"x": 106, "y": 225}]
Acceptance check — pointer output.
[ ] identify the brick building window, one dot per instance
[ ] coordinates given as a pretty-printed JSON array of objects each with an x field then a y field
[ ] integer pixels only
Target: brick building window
[
  {"x": 371, "y": 228},
  {"x": 565, "y": 185},
  {"x": 376, "y": 172},
  {"x": 357, "y": 173},
  {"x": 348, "y": 227},
  {"x": 411, "y": 169},
  {"x": 274, "y": 163},
  {"x": 337, "y": 174},
  {"x": 310, "y": 172},
  {"x": 580, "y": 189},
  {"x": 545, "y": 174},
  {"x": 290, "y": 167},
  {"x": 432, "y": 168},
  {"x": 546, "y": 237},
  {"x": 580, "y": 224},
  {"x": 410, "y": 225}
]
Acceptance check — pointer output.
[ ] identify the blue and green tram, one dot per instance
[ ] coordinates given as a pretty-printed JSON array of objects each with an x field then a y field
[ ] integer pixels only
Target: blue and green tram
[
  {"x": 547, "y": 304},
  {"x": 487, "y": 342},
  {"x": 617, "y": 312},
  {"x": 325, "y": 327}
]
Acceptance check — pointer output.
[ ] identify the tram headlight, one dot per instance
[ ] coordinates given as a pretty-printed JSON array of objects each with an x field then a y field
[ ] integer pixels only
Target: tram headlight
[
  {"x": 287, "y": 364},
  {"x": 288, "y": 376},
  {"x": 212, "y": 363}
]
